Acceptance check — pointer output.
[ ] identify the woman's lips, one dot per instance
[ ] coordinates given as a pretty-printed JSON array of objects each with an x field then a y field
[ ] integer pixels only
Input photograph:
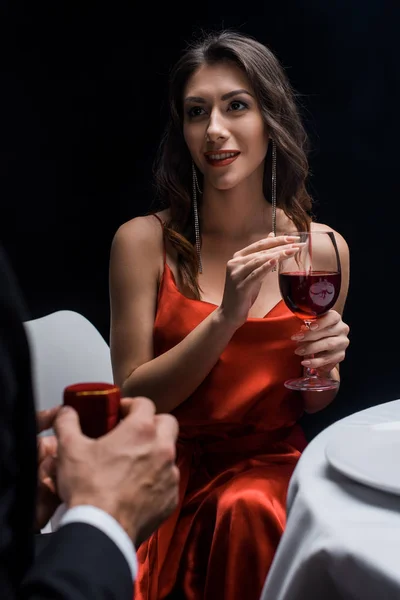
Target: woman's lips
[{"x": 221, "y": 159}]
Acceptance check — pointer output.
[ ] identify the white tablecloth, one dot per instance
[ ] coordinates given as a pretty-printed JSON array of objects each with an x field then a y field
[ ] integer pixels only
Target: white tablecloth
[{"x": 342, "y": 539}]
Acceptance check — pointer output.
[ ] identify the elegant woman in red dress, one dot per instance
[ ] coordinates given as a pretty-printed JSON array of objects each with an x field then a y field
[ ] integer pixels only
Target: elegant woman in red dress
[{"x": 198, "y": 324}]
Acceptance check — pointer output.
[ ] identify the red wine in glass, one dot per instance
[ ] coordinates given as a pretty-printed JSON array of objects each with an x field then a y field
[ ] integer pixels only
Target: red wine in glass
[
  {"x": 310, "y": 284},
  {"x": 310, "y": 295}
]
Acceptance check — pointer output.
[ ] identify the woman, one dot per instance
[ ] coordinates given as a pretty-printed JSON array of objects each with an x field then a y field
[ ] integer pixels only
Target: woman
[{"x": 198, "y": 325}]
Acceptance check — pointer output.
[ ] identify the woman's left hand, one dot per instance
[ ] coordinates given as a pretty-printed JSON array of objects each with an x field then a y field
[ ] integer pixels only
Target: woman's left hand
[{"x": 327, "y": 339}]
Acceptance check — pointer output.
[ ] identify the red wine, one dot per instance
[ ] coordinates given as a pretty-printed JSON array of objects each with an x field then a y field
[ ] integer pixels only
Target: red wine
[{"x": 310, "y": 295}]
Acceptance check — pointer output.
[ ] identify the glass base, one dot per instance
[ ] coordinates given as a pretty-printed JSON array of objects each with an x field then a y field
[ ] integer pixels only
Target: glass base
[{"x": 312, "y": 384}]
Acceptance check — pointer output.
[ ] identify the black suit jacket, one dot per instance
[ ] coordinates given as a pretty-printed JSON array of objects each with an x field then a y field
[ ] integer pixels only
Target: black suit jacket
[{"x": 79, "y": 561}]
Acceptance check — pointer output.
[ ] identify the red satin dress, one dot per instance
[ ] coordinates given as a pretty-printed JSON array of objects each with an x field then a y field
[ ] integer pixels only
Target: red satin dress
[{"x": 238, "y": 444}]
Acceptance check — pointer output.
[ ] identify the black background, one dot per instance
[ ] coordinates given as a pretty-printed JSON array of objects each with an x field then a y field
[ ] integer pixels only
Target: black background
[{"x": 83, "y": 93}]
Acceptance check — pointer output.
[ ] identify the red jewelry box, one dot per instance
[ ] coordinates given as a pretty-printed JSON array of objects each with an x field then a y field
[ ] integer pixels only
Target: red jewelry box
[{"x": 97, "y": 404}]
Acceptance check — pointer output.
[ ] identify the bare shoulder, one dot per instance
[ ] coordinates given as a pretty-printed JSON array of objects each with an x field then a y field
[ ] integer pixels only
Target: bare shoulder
[
  {"x": 285, "y": 224},
  {"x": 341, "y": 242},
  {"x": 141, "y": 234},
  {"x": 137, "y": 250}
]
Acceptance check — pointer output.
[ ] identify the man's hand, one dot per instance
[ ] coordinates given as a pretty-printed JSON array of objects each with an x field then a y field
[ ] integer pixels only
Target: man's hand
[
  {"x": 130, "y": 472},
  {"x": 47, "y": 499}
]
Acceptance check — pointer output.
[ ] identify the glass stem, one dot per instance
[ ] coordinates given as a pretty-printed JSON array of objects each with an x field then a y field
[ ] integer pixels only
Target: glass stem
[{"x": 309, "y": 371}]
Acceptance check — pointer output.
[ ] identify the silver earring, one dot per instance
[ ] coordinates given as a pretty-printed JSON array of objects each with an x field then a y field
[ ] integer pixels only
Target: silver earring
[
  {"x": 273, "y": 190},
  {"x": 196, "y": 188},
  {"x": 273, "y": 187}
]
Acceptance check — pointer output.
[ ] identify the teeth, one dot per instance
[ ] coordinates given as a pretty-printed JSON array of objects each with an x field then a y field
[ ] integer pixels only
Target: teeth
[{"x": 222, "y": 156}]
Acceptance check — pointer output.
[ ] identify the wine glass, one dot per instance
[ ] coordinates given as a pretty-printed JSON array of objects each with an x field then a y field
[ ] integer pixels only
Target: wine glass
[{"x": 310, "y": 284}]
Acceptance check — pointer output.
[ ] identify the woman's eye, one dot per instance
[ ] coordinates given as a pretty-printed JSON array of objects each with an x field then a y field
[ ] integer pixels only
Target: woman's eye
[
  {"x": 195, "y": 111},
  {"x": 237, "y": 105}
]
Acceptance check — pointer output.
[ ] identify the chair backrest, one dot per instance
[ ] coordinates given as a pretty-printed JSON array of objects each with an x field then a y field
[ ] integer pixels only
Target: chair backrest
[{"x": 66, "y": 348}]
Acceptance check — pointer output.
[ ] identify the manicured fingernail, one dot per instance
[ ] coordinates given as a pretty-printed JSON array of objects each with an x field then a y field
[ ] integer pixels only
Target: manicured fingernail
[
  {"x": 314, "y": 326},
  {"x": 306, "y": 363},
  {"x": 298, "y": 336},
  {"x": 292, "y": 238},
  {"x": 299, "y": 351}
]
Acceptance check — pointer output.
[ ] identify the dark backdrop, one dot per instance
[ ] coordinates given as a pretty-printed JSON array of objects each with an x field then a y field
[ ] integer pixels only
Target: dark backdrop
[{"x": 83, "y": 92}]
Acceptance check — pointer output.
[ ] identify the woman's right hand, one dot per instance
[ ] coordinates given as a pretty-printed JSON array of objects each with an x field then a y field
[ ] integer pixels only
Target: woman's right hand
[{"x": 246, "y": 270}]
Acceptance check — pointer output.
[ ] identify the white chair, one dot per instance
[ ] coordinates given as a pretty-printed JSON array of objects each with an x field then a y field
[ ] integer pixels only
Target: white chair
[{"x": 66, "y": 348}]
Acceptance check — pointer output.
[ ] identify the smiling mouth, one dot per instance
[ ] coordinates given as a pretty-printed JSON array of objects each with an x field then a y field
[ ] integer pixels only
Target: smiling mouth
[{"x": 221, "y": 159}]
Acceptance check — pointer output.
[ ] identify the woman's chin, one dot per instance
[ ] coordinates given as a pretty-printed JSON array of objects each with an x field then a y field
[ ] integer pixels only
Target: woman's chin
[{"x": 225, "y": 184}]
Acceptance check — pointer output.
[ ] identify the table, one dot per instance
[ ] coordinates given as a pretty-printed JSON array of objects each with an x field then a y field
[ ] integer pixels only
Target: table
[{"x": 342, "y": 539}]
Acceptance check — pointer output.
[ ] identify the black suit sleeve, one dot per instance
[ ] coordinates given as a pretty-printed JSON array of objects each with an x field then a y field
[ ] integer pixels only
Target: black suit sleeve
[
  {"x": 80, "y": 561},
  {"x": 17, "y": 439}
]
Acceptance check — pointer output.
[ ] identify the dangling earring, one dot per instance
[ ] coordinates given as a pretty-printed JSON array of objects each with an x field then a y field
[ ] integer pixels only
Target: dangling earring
[
  {"x": 273, "y": 190},
  {"x": 273, "y": 187},
  {"x": 196, "y": 189}
]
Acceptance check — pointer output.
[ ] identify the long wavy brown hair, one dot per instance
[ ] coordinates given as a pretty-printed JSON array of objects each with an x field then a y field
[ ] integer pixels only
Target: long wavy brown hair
[{"x": 276, "y": 98}]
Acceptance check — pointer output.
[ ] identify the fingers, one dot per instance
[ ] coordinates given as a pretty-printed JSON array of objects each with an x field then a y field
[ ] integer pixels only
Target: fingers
[
  {"x": 47, "y": 473},
  {"x": 260, "y": 272},
  {"x": 267, "y": 243},
  {"x": 323, "y": 352},
  {"x": 327, "y": 368},
  {"x": 167, "y": 426},
  {"x": 67, "y": 427},
  {"x": 138, "y": 423},
  {"x": 331, "y": 318},
  {"x": 140, "y": 405},
  {"x": 167, "y": 431},
  {"x": 47, "y": 446},
  {"x": 325, "y": 344},
  {"x": 175, "y": 478},
  {"x": 45, "y": 418},
  {"x": 330, "y": 324},
  {"x": 143, "y": 421},
  {"x": 329, "y": 345},
  {"x": 259, "y": 266},
  {"x": 323, "y": 360}
]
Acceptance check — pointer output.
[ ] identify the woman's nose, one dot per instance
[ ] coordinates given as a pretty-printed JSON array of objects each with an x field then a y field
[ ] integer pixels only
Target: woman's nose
[{"x": 216, "y": 128}]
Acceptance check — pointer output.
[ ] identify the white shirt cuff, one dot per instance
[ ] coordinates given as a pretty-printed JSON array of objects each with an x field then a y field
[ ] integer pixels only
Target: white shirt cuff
[{"x": 106, "y": 523}]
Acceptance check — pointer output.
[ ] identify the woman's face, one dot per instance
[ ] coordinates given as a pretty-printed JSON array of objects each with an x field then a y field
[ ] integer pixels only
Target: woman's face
[{"x": 223, "y": 126}]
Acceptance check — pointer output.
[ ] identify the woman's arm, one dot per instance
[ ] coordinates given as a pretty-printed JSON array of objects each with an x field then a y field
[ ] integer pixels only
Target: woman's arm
[{"x": 169, "y": 379}]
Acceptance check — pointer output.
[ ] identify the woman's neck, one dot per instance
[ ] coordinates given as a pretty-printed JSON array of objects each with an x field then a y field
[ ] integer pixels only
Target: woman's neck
[{"x": 238, "y": 213}]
